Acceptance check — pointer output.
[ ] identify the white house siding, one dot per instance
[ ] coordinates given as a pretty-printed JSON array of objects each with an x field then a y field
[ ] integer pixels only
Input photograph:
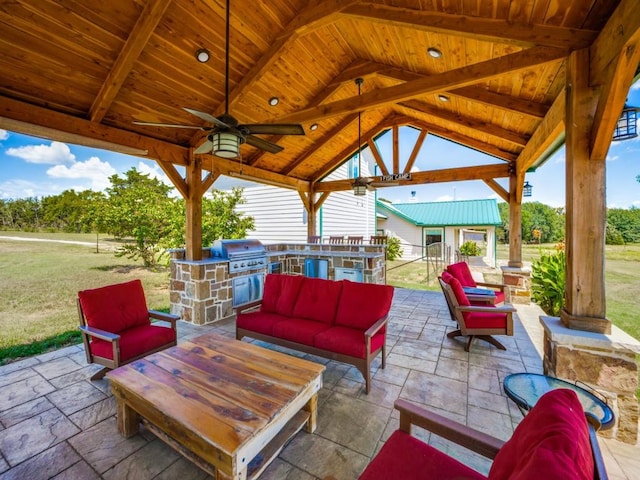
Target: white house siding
[
  {"x": 410, "y": 236},
  {"x": 280, "y": 215}
]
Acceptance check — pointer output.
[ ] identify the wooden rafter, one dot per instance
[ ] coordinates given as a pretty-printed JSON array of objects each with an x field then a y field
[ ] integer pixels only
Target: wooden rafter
[
  {"x": 499, "y": 189},
  {"x": 491, "y": 30},
  {"x": 151, "y": 15},
  {"x": 234, "y": 169},
  {"x": 416, "y": 149},
  {"x": 396, "y": 149},
  {"x": 460, "y": 77},
  {"x": 377, "y": 156}
]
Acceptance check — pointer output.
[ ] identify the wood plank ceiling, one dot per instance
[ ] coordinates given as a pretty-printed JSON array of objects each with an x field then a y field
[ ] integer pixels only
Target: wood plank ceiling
[{"x": 84, "y": 71}]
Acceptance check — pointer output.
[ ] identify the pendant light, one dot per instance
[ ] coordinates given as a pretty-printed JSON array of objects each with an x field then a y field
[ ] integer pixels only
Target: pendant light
[{"x": 360, "y": 184}]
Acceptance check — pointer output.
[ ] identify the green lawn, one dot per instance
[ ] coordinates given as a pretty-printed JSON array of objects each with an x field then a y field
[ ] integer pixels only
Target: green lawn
[
  {"x": 622, "y": 277},
  {"x": 41, "y": 279}
]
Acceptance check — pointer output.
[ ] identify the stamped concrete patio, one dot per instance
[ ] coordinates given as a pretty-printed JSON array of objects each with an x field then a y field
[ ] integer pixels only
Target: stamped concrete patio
[{"x": 55, "y": 423}]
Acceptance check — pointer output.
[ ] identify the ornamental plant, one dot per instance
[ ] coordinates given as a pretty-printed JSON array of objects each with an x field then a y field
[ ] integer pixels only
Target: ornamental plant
[
  {"x": 394, "y": 250},
  {"x": 548, "y": 282},
  {"x": 470, "y": 249}
]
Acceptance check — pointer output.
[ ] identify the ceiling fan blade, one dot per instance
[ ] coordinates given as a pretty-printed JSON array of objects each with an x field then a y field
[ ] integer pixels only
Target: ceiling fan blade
[
  {"x": 206, "y": 117},
  {"x": 273, "y": 128},
  {"x": 171, "y": 125},
  {"x": 263, "y": 144},
  {"x": 206, "y": 147}
]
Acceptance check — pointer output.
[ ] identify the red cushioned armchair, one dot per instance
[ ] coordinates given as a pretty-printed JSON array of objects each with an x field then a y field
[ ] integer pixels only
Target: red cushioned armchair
[
  {"x": 556, "y": 440},
  {"x": 461, "y": 271},
  {"x": 475, "y": 321},
  {"x": 116, "y": 325}
]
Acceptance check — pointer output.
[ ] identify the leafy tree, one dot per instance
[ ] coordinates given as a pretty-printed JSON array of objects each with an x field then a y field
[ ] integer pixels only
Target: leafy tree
[
  {"x": 394, "y": 249},
  {"x": 627, "y": 222},
  {"x": 540, "y": 223},
  {"x": 139, "y": 210}
]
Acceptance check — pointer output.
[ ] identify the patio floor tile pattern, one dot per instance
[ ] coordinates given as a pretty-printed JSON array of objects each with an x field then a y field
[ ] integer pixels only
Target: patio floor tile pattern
[{"x": 56, "y": 423}]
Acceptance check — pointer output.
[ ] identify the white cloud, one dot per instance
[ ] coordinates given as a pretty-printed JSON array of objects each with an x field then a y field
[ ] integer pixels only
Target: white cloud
[
  {"x": 154, "y": 171},
  {"x": 4, "y": 134},
  {"x": 55, "y": 154},
  {"x": 16, "y": 188},
  {"x": 612, "y": 158},
  {"x": 94, "y": 170}
]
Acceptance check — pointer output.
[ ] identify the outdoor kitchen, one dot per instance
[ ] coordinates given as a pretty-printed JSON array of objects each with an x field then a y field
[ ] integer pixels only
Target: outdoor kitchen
[{"x": 232, "y": 273}]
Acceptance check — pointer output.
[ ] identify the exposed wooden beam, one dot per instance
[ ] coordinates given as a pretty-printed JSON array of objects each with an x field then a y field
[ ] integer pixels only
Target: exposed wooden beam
[
  {"x": 499, "y": 189},
  {"x": 483, "y": 172},
  {"x": 415, "y": 151},
  {"x": 457, "y": 78},
  {"x": 234, "y": 169},
  {"x": 378, "y": 158},
  {"x": 175, "y": 177},
  {"x": 42, "y": 122},
  {"x": 487, "y": 29},
  {"x": 396, "y": 149},
  {"x": 319, "y": 144},
  {"x": 489, "y": 129},
  {"x": 457, "y": 138},
  {"x": 151, "y": 15},
  {"x": 546, "y": 134}
]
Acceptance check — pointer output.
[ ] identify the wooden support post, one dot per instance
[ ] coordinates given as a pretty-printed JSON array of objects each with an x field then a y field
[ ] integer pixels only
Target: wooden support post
[
  {"x": 584, "y": 307},
  {"x": 516, "y": 182},
  {"x": 193, "y": 230}
]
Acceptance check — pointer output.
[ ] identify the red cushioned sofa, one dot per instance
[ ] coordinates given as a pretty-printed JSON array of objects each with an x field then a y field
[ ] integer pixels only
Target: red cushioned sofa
[
  {"x": 116, "y": 325},
  {"x": 554, "y": 441},
  {"x": 340, "y": 320}
]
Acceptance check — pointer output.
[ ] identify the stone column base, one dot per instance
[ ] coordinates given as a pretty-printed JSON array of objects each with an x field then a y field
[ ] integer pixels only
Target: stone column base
[
  {"x": 606, "y": 363},
  {"x": 518, "y": 285}
]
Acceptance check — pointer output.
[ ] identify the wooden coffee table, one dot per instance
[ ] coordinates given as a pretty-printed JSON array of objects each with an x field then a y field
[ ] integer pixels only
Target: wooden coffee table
[{"x": 228, "y": 406}]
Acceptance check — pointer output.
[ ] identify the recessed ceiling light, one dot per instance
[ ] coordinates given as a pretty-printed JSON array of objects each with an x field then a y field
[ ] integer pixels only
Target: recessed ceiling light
[
  {"x": 443, "y": 98},
  {"x": 434, "y": 52},
  {"x": 273, "y": 101},
  {"x": 202, "y": 55},
  {"x": 314, "y": 126}
]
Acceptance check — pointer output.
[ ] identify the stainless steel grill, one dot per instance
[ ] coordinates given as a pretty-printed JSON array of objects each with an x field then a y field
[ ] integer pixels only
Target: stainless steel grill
[{"x": 243, "y": 255}]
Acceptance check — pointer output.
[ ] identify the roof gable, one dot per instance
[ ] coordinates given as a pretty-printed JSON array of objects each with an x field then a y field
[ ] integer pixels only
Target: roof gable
[{"x": 465, "y": 213}]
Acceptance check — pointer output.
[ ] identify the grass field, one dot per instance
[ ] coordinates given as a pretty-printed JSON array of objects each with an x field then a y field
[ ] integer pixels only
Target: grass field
[{"x": 40, "y": 280}]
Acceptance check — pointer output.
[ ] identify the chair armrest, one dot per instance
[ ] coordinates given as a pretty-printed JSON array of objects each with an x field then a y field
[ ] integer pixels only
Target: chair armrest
[
  {"x": 468, "y": 437},
  {"x": 167, "y": 317},
  {"x": 101, "y": 334},
  {"x": 373, "y": 329},
  {"x": 249, "y": 306},
  {"x": 497, "y": 286},
  {"x": 479, "y": 308}
]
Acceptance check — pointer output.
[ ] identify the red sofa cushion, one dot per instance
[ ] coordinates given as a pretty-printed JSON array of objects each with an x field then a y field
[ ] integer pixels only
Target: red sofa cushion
[
  {"x": 259, "y": 322},
  {"x": 500, "y": 298},
  {"x": 407, "y": 458},
  {"x": 299, "y": 330},
  {"x": 280, "y": 293},
  {"x": 135, "y": 341},
  {"x": 115, "y": 308},
  {"x": 347, "y": 341},
  {"x": 485, "y": 320},
  {"x": 362, "y": 304},
  {"x": 318, "y": 300},
  {"x": 552, "y": 441},
  {"x": 461, "y": 271}
]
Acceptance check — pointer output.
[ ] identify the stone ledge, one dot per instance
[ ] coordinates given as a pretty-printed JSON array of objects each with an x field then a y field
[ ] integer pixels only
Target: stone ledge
[{"x": 618, "y": 340}]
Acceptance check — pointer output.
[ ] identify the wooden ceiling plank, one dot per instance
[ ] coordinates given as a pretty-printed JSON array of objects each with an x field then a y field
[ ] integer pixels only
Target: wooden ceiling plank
[
  {"x": 415, "y": 151},
  {"x": 499, "y": 189},
  {"x": 44, "y": 120},
  {"x": 481, "y": 126},
  {"x": 487, "y": 29},
  {"x": 483, "y": 172},
  {"x": 546, "y": 134},
  {"x": 137, "y": 40},
  {"x": 461, "y": 77},
  {"x": 377, "y": 156}
]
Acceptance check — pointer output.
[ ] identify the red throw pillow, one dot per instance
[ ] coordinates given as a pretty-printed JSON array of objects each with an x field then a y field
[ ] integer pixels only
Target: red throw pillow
[
  {"x": 280, "y": 293},
  {"x": 461, "y": 271},
  {"x": 458, "y": 291},
  {"x": 362, "y": 304},
  {"x": 115, "y": 308},
  {"x": 446, "y": 277},
  {"x": 318, "y": 300},
  {"x": 552, "y": 441}
]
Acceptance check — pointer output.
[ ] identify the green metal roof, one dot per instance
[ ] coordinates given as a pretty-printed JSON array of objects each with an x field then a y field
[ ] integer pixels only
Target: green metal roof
[{"x": 463, "y": 213}]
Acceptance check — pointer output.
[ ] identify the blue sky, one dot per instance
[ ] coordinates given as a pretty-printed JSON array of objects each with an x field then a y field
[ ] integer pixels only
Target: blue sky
[{"x": 33, "y": 167}]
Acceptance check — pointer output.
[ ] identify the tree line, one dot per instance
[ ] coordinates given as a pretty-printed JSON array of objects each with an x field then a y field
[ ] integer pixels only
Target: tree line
[
  {"x": 135, "y": 208},
  {"x": 544, "y": 224}
]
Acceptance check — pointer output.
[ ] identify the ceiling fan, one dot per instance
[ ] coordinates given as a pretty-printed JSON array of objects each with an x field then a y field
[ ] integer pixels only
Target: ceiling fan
[{"x": 226, "y": 135}]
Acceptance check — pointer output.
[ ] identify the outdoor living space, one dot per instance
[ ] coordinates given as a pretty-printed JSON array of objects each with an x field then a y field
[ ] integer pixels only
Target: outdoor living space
[{"x": 56, "y": 423}]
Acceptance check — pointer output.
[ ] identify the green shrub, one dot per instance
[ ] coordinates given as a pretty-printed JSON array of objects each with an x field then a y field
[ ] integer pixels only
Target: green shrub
[
  {"x": 394, "y": 250},
  {"x": 613, "y": 235},
  {"x": 548, "y": 281},
  {"x": 470, "y": 249}
]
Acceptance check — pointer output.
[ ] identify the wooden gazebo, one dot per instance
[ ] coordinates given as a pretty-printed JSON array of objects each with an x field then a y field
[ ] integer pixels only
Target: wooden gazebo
[{"x": 506, "y": 77}]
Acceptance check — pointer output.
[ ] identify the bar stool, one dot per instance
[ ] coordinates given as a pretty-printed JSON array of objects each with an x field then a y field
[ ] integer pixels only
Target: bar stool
[
  {"x": 336, "y": 240},
  {"x": 354, "y": 240},
  {"x": 314, "y": 239}
]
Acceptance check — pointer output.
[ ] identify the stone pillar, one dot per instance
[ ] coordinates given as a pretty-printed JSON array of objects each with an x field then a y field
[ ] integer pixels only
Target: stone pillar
[
  {"x": 518, "y": 284},
  {"x": 605, "y": 362}
]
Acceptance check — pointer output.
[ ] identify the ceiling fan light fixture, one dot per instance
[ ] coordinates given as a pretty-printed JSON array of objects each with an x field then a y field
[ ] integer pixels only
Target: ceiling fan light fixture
[
  {"x": 434, "y": 52},
  {"x": 202, "y": 55},
  {"x": 360, "y": 187},
  {"x": 273, "y": 101},
  {"x": 225, "y": 145}
]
